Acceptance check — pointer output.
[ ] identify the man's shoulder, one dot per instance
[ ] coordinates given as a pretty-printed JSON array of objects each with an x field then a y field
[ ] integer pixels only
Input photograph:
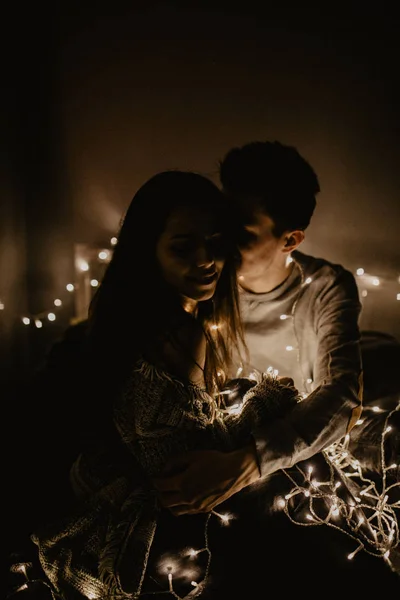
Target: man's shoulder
[{"x": 315, "y": 266}]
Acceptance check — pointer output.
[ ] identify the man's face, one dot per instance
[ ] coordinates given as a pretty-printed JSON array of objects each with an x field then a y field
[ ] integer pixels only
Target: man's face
[{"x": 260, "y": 249}]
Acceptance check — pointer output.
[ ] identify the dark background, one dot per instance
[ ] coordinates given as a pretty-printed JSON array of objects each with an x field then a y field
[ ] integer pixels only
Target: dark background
[{"x": 98, "y": 98}]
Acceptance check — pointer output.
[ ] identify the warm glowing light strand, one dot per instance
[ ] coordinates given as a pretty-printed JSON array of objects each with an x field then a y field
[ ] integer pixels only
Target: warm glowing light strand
[
  {"x": 82, "y": 265},
  {"x": 372, "y": 523},
  {"x": 364, "y": 281},
  {"x": 377, "y": 534},
  {"x": 198, "y": 586}
]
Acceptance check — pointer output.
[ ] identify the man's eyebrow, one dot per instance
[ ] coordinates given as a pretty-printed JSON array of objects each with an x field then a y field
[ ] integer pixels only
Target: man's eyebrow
[
  {"x": 180, "y": 236},
  {"x": 186, "y": 236},
  {"x": 249, "y": 222}
]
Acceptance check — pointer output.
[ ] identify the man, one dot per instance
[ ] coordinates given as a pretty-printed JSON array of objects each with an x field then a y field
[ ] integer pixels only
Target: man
[{"x": 301, "y": 318}]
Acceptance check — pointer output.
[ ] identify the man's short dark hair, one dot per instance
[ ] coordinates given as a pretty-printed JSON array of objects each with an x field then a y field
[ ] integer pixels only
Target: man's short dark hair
[{"x": 276, "y": 174}]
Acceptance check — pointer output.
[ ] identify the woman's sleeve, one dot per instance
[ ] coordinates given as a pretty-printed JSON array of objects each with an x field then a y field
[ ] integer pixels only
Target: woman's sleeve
[
  {"x": 269, "y": 399},
  {"x": 156, "y": 414}
]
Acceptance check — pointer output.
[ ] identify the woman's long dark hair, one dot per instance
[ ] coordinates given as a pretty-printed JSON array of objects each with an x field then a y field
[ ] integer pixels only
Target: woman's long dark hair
[{"x": 133, "y": 304}]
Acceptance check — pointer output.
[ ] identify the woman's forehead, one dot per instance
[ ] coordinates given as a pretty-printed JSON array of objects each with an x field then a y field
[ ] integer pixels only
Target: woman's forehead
[{"x": 193, "y": 221}]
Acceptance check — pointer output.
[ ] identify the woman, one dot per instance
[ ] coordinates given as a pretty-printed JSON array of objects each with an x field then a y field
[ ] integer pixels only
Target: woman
[{"x": 166, "y": 320}]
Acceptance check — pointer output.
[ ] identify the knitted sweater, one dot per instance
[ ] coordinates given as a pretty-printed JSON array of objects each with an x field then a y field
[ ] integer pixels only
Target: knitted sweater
[{"x": 102, "y": 549}]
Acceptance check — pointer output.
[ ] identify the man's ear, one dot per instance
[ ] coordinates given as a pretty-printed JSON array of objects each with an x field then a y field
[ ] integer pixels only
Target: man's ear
[{"x": 293, "y": 239}]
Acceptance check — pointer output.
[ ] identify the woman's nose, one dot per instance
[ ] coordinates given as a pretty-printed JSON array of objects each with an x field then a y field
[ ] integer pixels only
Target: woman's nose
[{"x": 204, "y": 257}]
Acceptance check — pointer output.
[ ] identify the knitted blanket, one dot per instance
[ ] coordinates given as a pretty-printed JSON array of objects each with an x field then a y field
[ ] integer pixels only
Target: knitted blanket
[{"x": 102, "y": 549}]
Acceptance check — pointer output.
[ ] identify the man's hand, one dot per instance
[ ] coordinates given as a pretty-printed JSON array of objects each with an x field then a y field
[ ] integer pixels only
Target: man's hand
[{"x": 205, "y": 479}]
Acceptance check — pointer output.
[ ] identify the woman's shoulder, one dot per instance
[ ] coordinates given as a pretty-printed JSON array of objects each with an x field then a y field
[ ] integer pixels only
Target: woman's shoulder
[{"x": 180, "y": 350}]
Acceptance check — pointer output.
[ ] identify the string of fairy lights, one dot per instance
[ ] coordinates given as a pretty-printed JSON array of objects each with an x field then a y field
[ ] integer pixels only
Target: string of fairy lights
[
  {"x": 367, "y": 512},
  {"x": 99, "y": 257},
  {"x": 368, "y": 515},
  {"x": 366, "y": 282}
]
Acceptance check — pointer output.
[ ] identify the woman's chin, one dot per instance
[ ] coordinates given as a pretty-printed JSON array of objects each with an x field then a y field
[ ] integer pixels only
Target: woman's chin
[{"x": 201, "y": 294}]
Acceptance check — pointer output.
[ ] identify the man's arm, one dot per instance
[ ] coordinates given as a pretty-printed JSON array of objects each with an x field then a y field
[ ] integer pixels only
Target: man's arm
[
  {"x": 333, "y": 407},
  {"x": 323, "y": 417}
]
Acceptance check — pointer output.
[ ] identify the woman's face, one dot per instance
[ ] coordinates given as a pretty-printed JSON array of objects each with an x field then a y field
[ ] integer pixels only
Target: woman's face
[{"x": 191, "y": 254}]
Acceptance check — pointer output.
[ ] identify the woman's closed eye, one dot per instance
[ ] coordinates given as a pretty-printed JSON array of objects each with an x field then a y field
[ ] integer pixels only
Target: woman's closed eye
[
  {"x": 218, "y": 245},
  {"x": 183, "y": 248},
  {"x": 215, "y": 244}
]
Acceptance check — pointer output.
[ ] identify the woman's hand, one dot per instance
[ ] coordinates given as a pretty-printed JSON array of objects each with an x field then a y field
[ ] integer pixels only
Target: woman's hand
[{"x": 288, "y": 381}]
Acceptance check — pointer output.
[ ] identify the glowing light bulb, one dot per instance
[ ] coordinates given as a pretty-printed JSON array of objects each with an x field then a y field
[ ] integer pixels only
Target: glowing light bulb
[
  {"x": 113, "y": 241},
  {"x": 38, "y": 323},
  {"x": 289, "y": 348},
  {"x": 364, "y": 293},
  {"x": 57, "y": 302},
  {"x": 22, "y": 569},
  {"x": 375, "y": 281},
  {"x": 2, "y": 305},
  {"x": 83, "y": 265},
  {"x": 70, "y": 287},
  {"x": 51, "y": 316},
  {"x": 224, "y": 518},
  {"x": 26, "y": 320},
  {"x": 283, "y": 317},
  {"x": 94, "y": 282},
  {"x": 280, "y": 503},
  {"x": 360, "y": 271},
  {"x": 103, "y": 255}
]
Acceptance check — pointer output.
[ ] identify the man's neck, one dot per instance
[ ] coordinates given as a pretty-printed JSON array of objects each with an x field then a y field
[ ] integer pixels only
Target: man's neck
[{"x": 267, "y": 281}]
